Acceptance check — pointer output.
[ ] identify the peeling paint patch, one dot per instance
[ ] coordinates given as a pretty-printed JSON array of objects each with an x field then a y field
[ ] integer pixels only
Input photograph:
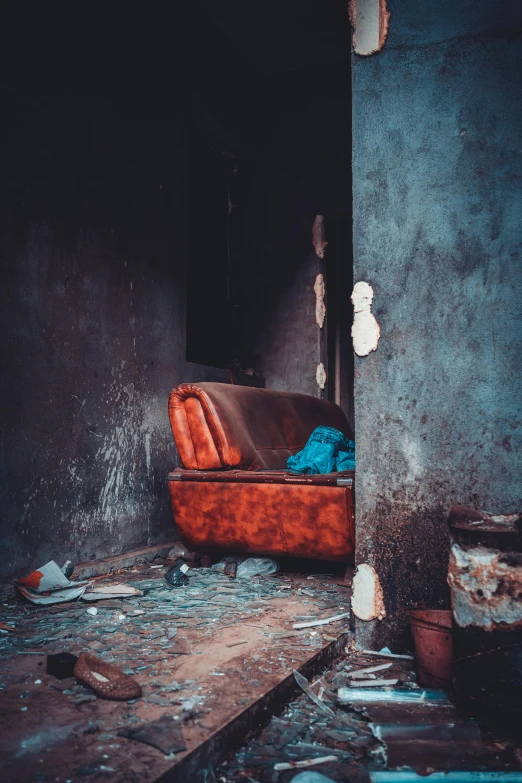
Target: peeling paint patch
[
  {"x": 486, "y": 587},
  {"x": 370, "y": 22},
  {"x": 318, "y": 238},
  {"x": 320, "y": 307},
  {"x": 367, "y": 598},
  {"x": 320, "y": 375},
  {"x": 365, "y": 329}
]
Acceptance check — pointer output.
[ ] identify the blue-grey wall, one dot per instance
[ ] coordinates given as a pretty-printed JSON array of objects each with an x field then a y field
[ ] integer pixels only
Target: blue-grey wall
[{"x": 437, "y": 186}]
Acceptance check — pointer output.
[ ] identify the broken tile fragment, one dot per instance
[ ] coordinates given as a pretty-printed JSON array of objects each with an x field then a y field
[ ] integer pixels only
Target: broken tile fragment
[{"x": 164, "y": 734}]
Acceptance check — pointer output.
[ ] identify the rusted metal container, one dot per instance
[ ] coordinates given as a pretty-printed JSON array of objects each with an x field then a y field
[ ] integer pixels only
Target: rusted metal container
[
  {"x": 485, "y": 577},
  {"x": 470, "y": 528},
  {"x": 432, "y": 635}
]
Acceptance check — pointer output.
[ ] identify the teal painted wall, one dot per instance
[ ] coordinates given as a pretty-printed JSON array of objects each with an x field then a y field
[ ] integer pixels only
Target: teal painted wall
[{"x": 437, "y": 198}]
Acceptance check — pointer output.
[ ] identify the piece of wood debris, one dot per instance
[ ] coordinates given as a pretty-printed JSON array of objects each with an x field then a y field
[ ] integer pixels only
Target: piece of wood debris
[
  {"x": 387, "y": 655},
  {"x": 373, "y": 683},
  {"x": 100, "y": 592},
  {"x": 361, "y": 673},
  {"x": 282, "y": 765},
  {"x": 234, "y": 644},
  {"x": 298, "y": 626}
]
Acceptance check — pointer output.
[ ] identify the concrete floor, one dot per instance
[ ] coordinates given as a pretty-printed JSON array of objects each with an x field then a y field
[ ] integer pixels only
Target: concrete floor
[
  {"x": 365, "y": 738},
  {"x": 228, "y": 662},
  {"x": 215, "y": 660}
]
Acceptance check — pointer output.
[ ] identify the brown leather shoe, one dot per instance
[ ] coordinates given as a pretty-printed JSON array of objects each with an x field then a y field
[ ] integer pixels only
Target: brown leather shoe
[{"x": 105, "y": 680}]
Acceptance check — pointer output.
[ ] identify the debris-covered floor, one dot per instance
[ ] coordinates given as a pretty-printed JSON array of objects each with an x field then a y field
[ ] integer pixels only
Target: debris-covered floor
[
  {"x": 202, "y": 653},
  {"x": 360, "y": 733},
  {"x": 216, "y": 663}
]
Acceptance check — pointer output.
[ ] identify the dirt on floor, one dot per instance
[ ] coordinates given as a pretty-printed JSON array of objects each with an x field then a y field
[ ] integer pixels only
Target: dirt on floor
[
  {"x": 353, "y": 733},
  {"x": 222, "y": 702},
  {"x": 202, "y": 654}
]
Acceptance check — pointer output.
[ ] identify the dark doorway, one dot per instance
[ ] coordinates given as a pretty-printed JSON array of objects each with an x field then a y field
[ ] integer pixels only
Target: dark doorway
[{"x": 271, "y": 149}]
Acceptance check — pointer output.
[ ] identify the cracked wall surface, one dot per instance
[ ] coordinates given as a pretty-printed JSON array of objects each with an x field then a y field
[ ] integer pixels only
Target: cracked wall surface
[{"x": 437, "y": 199}]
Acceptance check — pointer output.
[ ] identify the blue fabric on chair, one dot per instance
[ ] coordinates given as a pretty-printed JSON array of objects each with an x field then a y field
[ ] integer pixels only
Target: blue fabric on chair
[{"x": 327, "y": 451}]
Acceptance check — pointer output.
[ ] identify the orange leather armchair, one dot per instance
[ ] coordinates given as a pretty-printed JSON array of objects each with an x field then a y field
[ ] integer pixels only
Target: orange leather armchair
[{"x": 234, "y": 493}]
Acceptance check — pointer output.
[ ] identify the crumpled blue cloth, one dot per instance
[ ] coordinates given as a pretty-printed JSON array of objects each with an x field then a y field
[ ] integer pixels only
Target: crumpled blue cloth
[{"x": 327, "y": 451}]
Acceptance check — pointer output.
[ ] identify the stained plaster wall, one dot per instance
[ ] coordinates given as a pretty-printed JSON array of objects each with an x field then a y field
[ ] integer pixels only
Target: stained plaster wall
[
  {"x": 437, "y": 204},
  {"x": 93, "y": 228}
]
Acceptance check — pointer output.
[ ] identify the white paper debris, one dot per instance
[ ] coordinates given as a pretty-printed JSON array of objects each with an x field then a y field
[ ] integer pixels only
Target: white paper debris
[
  {"x": 282, "y": 765},
  {"x": 374, "y": 683},
  {"x": 383, "y": 654},
  {"x": 49, "y": 585},
  {"x": 100, "y": 592},
  {"x": 362, "y": 673},
  {"x": 312, "y": 623}
]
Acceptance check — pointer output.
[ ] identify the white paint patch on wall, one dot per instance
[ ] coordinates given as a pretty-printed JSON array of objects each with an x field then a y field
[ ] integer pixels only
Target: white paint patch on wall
[
  {"x": 320, "y": 307},
  {"x": 320, "y": 376},
  {"x": 318, "y": 238},
  {"x": 365, "y": 329},
  {"x": 367, "y": 597},
  {"x": 370, "y": 21}
]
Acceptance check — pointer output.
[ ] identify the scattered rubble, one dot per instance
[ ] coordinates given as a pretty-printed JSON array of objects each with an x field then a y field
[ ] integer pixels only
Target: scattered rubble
[
  {"x": 357, "y": 734},
  {"x": 49, "y": 585},
  {"x": 164, "y": 734},
  {"x": 201, "y": 654}
]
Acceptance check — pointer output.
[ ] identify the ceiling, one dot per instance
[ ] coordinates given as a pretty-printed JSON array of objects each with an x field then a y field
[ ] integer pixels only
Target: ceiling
[{"x": 282, "y": 35}]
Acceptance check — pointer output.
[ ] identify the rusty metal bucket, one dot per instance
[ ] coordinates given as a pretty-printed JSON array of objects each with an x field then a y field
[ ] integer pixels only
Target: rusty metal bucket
[{"x": 432, "y": 634}]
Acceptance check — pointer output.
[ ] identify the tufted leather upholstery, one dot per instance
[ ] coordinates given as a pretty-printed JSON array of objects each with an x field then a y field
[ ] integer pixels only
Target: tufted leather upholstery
[{"x": 216, "y": 425}]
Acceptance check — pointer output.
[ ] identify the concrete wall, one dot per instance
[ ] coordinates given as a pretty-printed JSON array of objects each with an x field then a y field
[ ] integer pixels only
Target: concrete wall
[
  {"x": 93, "y": 228},
  {"x": 437, "y": 203}
]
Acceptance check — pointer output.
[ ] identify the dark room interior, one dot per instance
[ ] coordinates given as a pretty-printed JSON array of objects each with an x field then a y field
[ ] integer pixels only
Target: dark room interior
[{"x": 261, "y": 392}]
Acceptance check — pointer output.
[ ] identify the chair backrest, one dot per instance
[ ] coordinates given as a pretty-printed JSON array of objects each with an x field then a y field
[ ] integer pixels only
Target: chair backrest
[{"x": 217, "y": 425}]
